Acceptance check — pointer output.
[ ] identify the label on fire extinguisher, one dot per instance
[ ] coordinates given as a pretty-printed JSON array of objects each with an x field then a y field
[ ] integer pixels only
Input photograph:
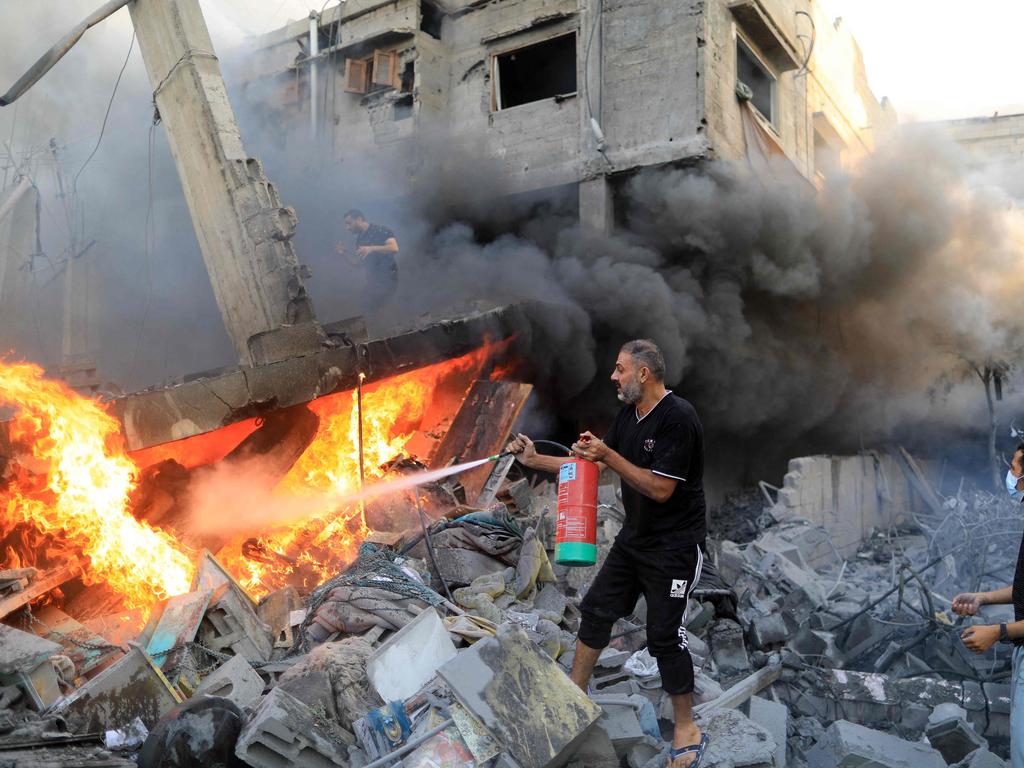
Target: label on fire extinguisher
[{"x": 567, "y": 472}]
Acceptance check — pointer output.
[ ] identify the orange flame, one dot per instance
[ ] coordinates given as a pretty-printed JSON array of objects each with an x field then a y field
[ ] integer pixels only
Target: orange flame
[
  {"x": 83, "y": 499},
  {"x": 398, "y": 414}
]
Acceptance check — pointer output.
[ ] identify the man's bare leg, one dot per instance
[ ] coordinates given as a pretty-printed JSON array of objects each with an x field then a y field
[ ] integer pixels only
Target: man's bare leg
[
  {"x": 686, "y": 731},
  {"x": 583, "y": 664}
]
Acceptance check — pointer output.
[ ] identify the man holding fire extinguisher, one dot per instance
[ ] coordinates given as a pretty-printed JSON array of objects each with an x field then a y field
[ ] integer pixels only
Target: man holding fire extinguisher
[{"x": 656, "y": 446}]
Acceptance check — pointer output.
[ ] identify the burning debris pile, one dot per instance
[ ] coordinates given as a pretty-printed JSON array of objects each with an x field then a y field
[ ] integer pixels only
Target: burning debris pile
[{"x": 159, "y": 611}]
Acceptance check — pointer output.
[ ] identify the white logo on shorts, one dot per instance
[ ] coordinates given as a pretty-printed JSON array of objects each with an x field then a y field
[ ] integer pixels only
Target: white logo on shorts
[
  {"x": 684, "y": 642},
  {"x": 678, "y": 588}
]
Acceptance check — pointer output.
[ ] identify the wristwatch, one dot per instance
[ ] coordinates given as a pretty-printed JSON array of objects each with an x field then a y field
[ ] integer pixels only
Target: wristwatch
[{"x": 1004, "y": 636}]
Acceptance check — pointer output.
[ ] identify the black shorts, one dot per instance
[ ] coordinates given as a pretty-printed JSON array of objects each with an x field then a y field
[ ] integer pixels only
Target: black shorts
[{"x": 665, "y": 578}]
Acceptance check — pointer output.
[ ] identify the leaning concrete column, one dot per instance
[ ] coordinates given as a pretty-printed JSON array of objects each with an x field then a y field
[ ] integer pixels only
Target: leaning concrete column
[{"x": 243, "y": 230}]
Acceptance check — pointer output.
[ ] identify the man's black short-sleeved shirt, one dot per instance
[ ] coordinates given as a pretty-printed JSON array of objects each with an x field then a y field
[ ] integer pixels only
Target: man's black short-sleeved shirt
[
  {"x": 669, "y": 441},
  {"x": 1017, "y": 593},
  {"x": 377, "y": 234}
]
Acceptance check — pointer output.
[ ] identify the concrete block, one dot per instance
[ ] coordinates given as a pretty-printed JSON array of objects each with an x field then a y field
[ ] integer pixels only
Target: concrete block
[
  {"x": 232, "y": 626},
  {"x": 735, "y": 741},
  {"x": 275, "y": 610},
  {"x": 774, "y": 718},
  {"x": 982, "y": 758},
  {"x": 998, "y": 695},
  {"x": 946, "y": 711},
  {"x": 283, "y": 733},
  {"x": 848, "y": 745},
  {"x": 502, "y": 680},
  {"x": 410, "y": 657},
  {"x": 728, "y": 648},
  {"x": 954, "y": 739},
  {"x": 767, "y": 631},
  {"x": 314, "y": 690},
  {"x": 236, "y": 680}
]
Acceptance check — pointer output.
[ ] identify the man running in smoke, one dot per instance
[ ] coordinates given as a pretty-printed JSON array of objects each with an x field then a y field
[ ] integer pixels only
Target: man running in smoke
[
  {"x": 980, "y": 637},
  {"x": 656, "y": 446}
]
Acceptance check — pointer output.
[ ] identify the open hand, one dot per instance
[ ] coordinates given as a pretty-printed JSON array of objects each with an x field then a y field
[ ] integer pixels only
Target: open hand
[
  {"x": 590, "y": 447},
  {"x": 966, "y": 603},
  {"x": 980, "y": 637},
  {"x": 363, "y": 251}
]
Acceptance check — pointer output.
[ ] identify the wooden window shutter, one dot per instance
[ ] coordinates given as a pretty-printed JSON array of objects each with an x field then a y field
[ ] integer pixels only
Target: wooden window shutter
[
  {"x": 356, "y": 76},
  {"x": 385, "y": 68}
]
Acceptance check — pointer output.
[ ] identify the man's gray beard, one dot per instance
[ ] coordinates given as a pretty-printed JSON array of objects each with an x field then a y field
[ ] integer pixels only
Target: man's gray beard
[{"x": 630, "y": 394}]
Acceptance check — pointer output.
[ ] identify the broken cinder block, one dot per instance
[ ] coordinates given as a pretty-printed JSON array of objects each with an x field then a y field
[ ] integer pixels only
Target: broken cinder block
[
  {"x": 236, "y": 680},
  {"x": 24, "y": 662},
  {"x": 283, "y": 732},
  {"x": 849, "y": 744},
  {"x": 955, "y": 739}
]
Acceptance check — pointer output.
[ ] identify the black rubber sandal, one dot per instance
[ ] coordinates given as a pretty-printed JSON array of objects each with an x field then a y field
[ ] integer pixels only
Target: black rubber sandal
[{"x": 697, "y": 749}]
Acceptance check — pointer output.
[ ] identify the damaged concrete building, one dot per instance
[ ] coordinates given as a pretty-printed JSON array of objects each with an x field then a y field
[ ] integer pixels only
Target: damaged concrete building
[{"x": 569, "y": 97}]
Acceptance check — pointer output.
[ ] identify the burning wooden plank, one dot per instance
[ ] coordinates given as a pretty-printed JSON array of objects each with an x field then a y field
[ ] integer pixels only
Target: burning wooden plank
[{"x": 482, "y": 428}]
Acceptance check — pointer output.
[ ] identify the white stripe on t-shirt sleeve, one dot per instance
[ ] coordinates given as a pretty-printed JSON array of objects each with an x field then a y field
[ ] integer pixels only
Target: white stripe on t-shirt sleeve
[{"x": 666, "y": 474}]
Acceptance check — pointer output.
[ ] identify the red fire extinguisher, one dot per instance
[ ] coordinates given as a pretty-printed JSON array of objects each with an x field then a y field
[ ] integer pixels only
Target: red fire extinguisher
[{"x": 576, "y": 529}]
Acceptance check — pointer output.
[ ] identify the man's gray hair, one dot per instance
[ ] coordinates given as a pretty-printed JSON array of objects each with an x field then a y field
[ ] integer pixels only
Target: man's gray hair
[{"x": 646, "y": 353}]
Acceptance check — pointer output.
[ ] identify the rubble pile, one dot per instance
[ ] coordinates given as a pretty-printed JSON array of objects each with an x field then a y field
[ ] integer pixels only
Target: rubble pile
[{"x": 449, "y": 646}]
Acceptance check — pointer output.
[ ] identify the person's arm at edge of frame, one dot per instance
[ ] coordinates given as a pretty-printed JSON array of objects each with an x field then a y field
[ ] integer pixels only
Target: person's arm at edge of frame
[
  {"x": 652, "y": 485},
  {"x": 980, "y": 637}
]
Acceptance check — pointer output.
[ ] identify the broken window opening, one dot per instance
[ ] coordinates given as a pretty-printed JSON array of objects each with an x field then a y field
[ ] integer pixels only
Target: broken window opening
[
  {"x": 408, "y": 77},
  {"x": 402, "y": 108},
  {"x": 757, "y": 77},
  {"x": 535, "y": 72},
  {"x": 430, "y": 20}
]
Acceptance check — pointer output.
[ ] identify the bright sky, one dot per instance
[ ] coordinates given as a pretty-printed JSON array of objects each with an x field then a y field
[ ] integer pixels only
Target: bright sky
[{"x": 940, "y": 59}]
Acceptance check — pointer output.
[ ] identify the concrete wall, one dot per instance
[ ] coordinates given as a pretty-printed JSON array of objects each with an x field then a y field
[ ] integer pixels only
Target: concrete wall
[
  {"x": 988, "y": 139},
  {"x": 847, "y": 495},
  {"x": 832, "y": 89}
]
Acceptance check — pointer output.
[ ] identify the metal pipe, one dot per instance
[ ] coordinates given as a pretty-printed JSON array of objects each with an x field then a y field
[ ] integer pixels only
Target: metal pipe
[
  {"x": 359, "y": 406},
  {"x": 56, "y": 53},
  {"x": 410, "y": 746},
  {"x": 314, "y": 90}
]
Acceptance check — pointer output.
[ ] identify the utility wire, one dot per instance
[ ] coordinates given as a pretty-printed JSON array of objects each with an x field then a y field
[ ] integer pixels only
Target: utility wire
[{"x": 106, "y": 116}]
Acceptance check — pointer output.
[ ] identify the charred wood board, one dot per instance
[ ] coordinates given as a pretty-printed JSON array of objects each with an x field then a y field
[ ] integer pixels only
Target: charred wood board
[{"x": 481, "y": 428}]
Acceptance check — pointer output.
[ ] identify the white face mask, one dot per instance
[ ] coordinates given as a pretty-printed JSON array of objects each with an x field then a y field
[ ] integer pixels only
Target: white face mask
[{"x": 1011, "y": 487}]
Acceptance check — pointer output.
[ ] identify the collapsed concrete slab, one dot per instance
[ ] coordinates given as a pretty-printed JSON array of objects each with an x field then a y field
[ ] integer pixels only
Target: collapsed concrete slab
[
  {"x": 133, "y": 686},
  {"x": 205, "y": 402},
  {"x": 847, "y": 744},
  {"x": 503, "y": 680},
  {"x": 410, "y": 657}
]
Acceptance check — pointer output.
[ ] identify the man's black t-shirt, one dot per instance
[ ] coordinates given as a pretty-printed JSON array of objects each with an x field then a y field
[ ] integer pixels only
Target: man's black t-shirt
[
  {"x": 669, "y": 441},
  {"x": 376, "y": 234},
  {"x": 1018, "y": 590}
]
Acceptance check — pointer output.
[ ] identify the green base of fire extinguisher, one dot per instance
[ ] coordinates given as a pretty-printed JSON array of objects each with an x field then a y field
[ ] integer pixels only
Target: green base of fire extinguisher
[{"x": 575, "y": 553}]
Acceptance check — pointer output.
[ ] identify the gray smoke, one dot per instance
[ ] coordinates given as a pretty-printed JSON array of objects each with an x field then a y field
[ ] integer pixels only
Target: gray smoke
[{"x": 794, "y": 319}]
